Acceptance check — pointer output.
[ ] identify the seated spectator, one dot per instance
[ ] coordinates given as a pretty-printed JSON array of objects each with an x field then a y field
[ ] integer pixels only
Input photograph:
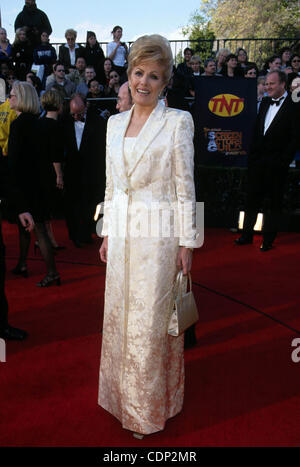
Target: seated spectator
[
  {"x": 22, "y": 54},
  {"x": 112, "y": 89},
  {"x": 4, "y": 70},
  {"x": 89, "y": 74},
  {"x": 288, "y": 69},
  {"x": 104, "y": 74},
  {"x": 295, "y": 63},
  {"x": 242, "y": 57},
  {"x": 261, "y": 90},
  {"x": 251, "y": 70},
  {"x": 230, "y": 67},
  {"x": 11, "y": 78},
  {"x": 95, "y": 90},
  {"x": 272, "y": 64},
  {"x": 195, "y": 64},
  {"x": 45, "y": 54},
  {"x": 210, "y": 68},
  {"x": 94, "y": 55},
  {"x": 285, "y": 55},
  {"x": 124, "y": 102},
  {"x": 184, "y": 68},
  {"x": 77, "y": 75},
  {"x": 69, "y": 52},
  {"x": 36, "y": 83},
  {"x": 174, "y": 92},
  {"x": 61, "y": 83},
  {"x": 5, "y": 47},
  {"x": 221, "y": 58}
]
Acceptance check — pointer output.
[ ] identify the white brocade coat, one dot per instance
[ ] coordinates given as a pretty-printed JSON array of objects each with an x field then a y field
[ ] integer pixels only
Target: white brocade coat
[{"x": 142, "y": 367}]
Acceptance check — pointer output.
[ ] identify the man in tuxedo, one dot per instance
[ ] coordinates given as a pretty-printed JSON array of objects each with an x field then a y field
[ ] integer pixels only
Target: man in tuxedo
[
  {"x": 275, "y": 141},
  {"x": 84, "y": 169}
]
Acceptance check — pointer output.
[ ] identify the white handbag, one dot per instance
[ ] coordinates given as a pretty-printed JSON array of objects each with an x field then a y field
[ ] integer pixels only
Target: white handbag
[{"x": 185, "y": 312}]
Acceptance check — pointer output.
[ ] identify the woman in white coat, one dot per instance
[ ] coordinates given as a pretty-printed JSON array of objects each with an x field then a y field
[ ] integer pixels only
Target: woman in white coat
[{"x": 149, "y": 233}]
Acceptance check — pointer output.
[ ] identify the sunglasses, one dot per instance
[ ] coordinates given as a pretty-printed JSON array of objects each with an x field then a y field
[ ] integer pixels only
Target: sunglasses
[
  {"x": 11, "y": 95},
  {"x": 296, "y": 60}
]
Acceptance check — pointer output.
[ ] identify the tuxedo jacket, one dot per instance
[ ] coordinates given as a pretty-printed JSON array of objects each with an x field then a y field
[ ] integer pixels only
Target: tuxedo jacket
[
  {"x": 277, "y": 147},
  {"x": 84, "y": 168}
]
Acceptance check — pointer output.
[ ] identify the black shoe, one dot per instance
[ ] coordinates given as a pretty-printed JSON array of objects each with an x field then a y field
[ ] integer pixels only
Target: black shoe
[
  {"x": 20, "y": 270},
  {"x": 243, "y": 241},
  {"x": 266, "y": 246},
  {"x": 49, "y": 280},
  {"x": 13, "y": 334}
]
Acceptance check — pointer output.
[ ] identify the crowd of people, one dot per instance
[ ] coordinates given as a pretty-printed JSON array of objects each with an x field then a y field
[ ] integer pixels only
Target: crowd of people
[{"x": 52, "y": 138}]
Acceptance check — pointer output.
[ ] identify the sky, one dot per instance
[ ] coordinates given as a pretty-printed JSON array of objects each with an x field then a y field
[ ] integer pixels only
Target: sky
[{"x": 136, "y": 17}]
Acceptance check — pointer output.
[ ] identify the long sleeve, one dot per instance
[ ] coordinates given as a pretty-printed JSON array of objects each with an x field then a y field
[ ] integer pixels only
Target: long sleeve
[
  {"x": 184, "y": 180},
  {"x": 109, "y": 187}
]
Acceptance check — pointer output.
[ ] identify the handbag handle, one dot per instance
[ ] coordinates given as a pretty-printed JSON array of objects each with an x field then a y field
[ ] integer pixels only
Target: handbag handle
[{"x": 178, "y": 283}]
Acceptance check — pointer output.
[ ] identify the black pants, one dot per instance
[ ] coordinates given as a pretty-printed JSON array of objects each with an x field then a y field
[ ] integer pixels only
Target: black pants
[
  {"x": 79, "y": 215},
  {"x": 265, "y": 191},
  {"x": 3, "y": 300}
]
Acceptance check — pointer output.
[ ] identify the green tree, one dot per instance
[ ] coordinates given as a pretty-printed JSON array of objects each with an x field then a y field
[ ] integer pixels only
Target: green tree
[{"x": 200, "y": 30}]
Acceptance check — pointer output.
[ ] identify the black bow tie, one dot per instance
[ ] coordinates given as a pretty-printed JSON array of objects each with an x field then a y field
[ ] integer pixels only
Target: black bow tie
[{"x": 276, "y": 102}]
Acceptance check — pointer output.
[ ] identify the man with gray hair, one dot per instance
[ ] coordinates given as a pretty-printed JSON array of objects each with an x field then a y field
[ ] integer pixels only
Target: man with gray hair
[{"x": 210, "y": 68}]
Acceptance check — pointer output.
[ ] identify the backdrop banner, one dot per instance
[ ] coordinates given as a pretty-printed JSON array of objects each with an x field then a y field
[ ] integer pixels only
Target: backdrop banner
[{"x": 225, "y": 112}]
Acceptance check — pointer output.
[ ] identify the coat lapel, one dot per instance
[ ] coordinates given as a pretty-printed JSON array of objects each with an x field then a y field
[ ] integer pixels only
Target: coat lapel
[
  {"x": 147, "y": 134},
  {"x": 279, "y": 114}
]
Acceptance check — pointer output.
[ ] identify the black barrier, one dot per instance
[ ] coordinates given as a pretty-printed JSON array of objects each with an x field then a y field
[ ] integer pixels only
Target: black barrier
[{"x": 225, "y": 112}]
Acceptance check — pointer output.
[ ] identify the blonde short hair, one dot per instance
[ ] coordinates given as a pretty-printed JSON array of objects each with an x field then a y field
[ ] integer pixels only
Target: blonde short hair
[
  {"x": 27, "y": 98},
  {"x": 153, "y": 48},
  {"x": 71, "y": 32},
  {"x": 51, "y": 100},
  {"x": 221, "y": 51}
]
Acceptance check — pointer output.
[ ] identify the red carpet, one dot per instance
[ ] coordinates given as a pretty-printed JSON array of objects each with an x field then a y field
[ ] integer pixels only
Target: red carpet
[{"x": 242, "y": 387}]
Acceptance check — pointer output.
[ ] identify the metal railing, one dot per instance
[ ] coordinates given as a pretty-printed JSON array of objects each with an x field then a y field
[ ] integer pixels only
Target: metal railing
[{"x": 258, "y": 50}]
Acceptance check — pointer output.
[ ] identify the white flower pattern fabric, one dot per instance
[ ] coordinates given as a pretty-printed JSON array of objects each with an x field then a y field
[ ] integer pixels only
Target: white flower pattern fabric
[{"x": 142, "y": 367}]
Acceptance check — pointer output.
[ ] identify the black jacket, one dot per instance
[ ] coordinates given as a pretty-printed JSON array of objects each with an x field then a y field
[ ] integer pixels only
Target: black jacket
[
  {"x": 36, "y": 20},
  {"x": 278, "y": 146}
]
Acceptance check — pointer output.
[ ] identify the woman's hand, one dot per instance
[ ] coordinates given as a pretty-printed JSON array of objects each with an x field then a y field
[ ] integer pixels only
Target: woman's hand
[
  {"x": 184, "y": 259},
  {"x": 103, "y": 250}
]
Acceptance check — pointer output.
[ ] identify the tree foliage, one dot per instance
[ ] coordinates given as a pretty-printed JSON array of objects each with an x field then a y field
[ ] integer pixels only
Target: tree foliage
[{"x": 256, "y": 18}]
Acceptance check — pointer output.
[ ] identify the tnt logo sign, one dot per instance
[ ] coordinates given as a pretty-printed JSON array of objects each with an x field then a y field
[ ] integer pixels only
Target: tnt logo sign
[
  {"x": 296, "y": 353},
  {"x": 226, "y": 105},
  {"x": 2, "y": 351}
]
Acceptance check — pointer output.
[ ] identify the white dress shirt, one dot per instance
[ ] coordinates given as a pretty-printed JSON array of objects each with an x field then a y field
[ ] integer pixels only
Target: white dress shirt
[
  {"x": 79, "y": 128},
  {"x": 272, "y": 111}
]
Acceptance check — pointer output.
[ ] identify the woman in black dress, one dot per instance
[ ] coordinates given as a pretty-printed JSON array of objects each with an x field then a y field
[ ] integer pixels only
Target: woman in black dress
[
  {"x": 22, "y": 54},
  {"x": 30, "y": 167}
]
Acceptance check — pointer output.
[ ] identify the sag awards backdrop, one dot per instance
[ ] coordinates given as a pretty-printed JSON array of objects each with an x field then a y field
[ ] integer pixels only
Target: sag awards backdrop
[{"x": 225, "y": 113}]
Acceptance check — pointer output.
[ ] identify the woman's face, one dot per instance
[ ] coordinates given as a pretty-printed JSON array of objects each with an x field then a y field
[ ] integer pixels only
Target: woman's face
[
  {"x": 261, "y": 88},
  {"x": 22, "y": 36},
  {"x": 242, "y": 56},
  {"x": 147, "y": 82},
  {"x": 114, "y": 76},
  {"x": 118, "y": 34},
  {"x": 232, "y": 62},
  {"x": 71, "y": 40},
  {"x": 95, "y": 87},
  {"x": 275, "y": 65},
  {"x": 222, "y": 58},
  {"x": 296, "y": 63},
  {"x": 187, "y": 56},
  {"x": 251, "y": 73},
  {"x": 13, "y": 101},
  {"x": 195, "y": 67},
  {"x": 92, "y": 41},
  {"x": 44, "y": 37},
  {"x": 107, "y": 65},
  {"x": 3, "y": 36},
  {"x": 286, "y": 56}
]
